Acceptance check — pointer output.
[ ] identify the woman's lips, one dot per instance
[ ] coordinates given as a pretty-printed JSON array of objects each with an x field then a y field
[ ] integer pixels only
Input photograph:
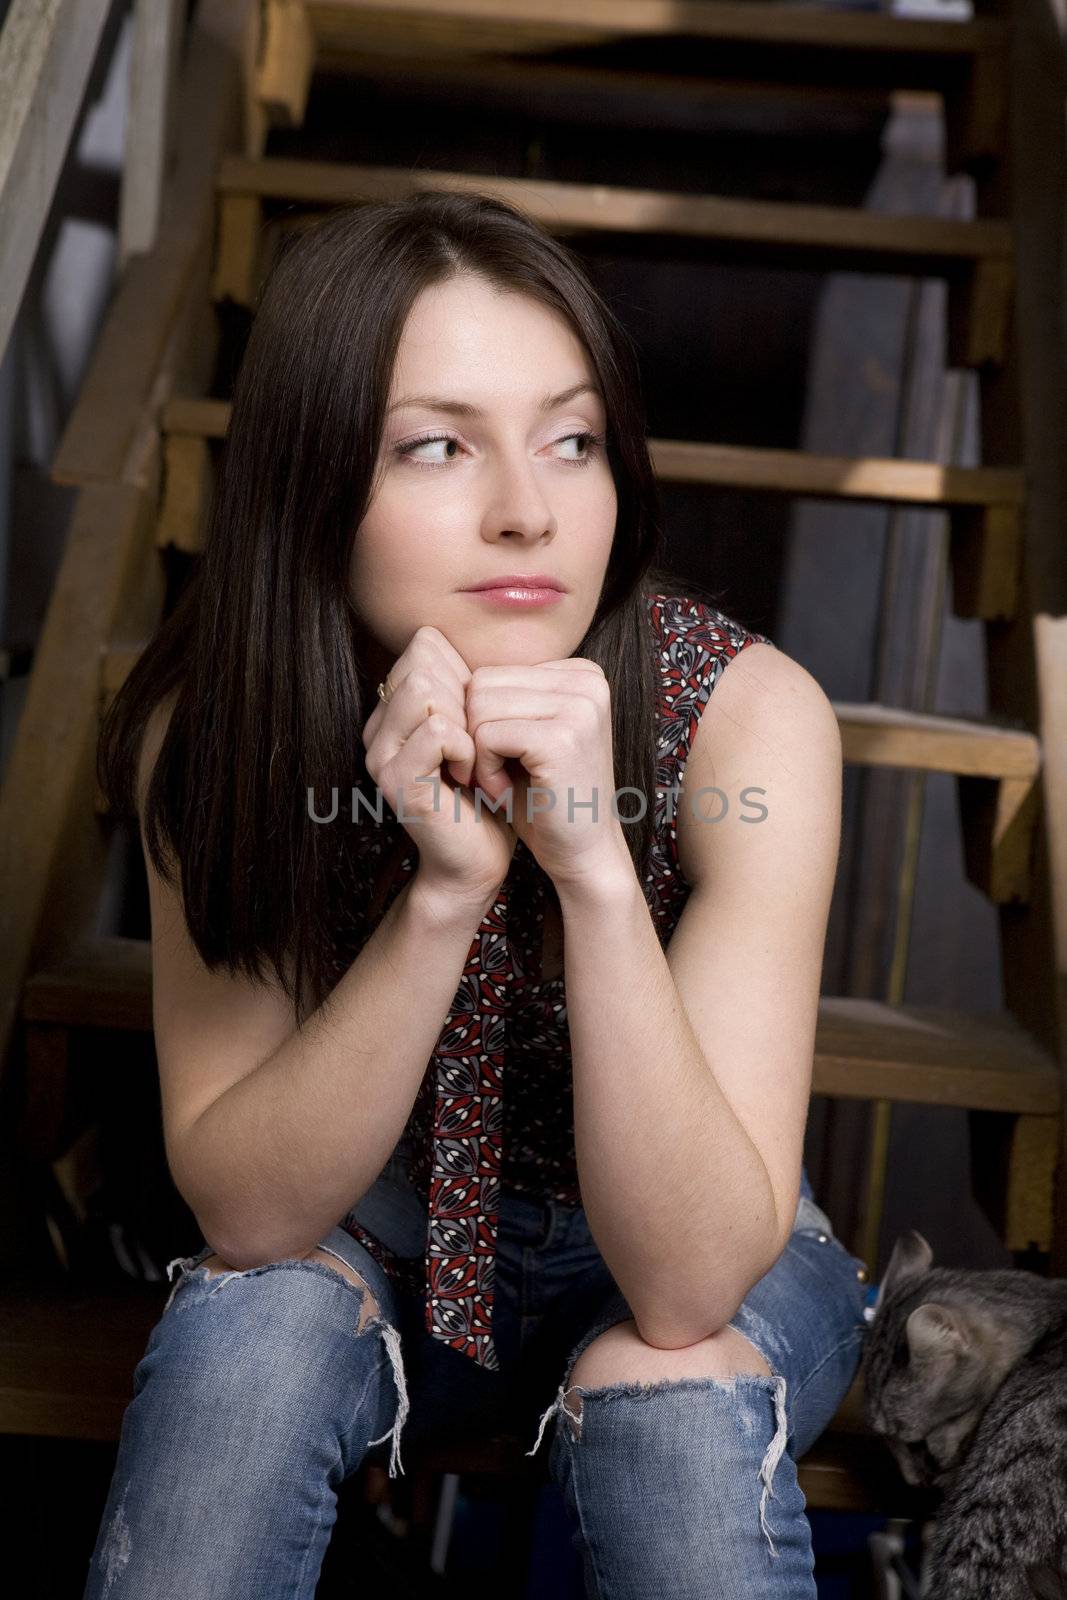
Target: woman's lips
[{"x": 513, "y": 595}]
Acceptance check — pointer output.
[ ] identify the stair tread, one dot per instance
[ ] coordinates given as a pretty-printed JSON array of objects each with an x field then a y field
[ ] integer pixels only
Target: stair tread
[
  {"x": 903, "y": 243},
  {"x": 68, "y": 1355},
  {"x": 873, "y": 478},
  {"x": 871, "y": 734},
  {"x": 338, "y": 22},
  {"x": 878, "y": 735},
  {"x": 869, "y": 1049},
  {"x": 103, "y": 982},
  {"x": 864, "y": 1049}
]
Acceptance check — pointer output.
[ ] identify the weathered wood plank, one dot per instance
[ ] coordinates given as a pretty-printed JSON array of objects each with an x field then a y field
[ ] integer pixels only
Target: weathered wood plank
[
  {"x": 154, "y": 288},
  {"x": 151, "y": 121},
  {"x": 902, "y": 244},
  {"x": 864, "y": 1049},
  {"x": 53, "y": 852},
  {"x": 47, "y": 48},
  {"x": 539, "y": 23}
]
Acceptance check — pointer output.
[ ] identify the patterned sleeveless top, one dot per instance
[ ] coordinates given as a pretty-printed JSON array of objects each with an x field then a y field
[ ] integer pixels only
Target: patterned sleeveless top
[{"x": 495, "y": 1107}]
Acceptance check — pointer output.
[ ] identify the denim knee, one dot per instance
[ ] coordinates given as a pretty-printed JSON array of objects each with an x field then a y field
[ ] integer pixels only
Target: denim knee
[
  {"x": 301, "y": 1310},
  {"x": 668, "y": 1420},
  {"x": 258, "y": 1393}
]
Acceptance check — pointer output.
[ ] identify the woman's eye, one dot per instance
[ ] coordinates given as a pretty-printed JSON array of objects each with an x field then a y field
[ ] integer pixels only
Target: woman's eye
[
  {"x": 591, "y": 443},
  {"x": 408, "y": 449}
]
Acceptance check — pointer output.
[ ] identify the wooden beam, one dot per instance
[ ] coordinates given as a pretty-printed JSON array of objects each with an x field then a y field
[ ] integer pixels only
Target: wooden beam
[
  {"x": 985, "y": 552},
  {"x": 871, "y": 736},
  {"x": 151, "y": 123},
  {"x": 154, "y": 290},
  {"x": 47, "y": 49},
  {"x": 998, "y": 828},
  {"x": 771, "y": 47},
  {"x": 864, "y": 478},
  {"x": 997, "y": 767},
  {"x": 53, "y": 852},
  {"x": 201, "y": 418},
  {"x": 877, "y": 479},
  {"x": 188, "y": 484},
  {"x": 239, "y": 249},
  {"x": 1013, "y": 1172},
  {"x": 105, "y": 982},
  {"x": 68, "y": 1355}
]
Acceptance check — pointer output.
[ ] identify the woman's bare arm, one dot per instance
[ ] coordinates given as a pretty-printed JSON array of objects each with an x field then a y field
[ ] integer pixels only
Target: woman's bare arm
[
  {"x": 273, "y": 1131},
  {"x": 285, "y": 1151}
]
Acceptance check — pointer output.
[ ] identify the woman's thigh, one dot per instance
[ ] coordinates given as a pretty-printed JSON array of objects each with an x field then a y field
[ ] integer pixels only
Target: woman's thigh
[
  {"x": 685, "y": 1482},
  {"x": 266, "y": 1311},
  {"x": 805, "y": 1317},
  {"x": 259, "y": 1391}
]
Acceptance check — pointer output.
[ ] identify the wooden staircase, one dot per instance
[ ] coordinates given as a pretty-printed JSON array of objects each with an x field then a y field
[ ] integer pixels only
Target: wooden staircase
[{"x": 143, "y": 442}]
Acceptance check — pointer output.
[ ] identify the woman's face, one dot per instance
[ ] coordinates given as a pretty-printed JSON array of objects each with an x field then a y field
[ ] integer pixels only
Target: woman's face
[{"x": 505, "y": 485}]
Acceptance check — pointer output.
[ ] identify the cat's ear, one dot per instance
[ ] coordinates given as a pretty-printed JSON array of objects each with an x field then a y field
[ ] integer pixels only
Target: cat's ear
[
  {"x": 911, "y": 1255},
  {"x": 933, "y": 1330}
]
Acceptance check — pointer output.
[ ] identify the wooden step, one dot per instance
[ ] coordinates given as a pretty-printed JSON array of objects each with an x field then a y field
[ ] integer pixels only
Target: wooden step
[
  {"x": 871, "y": 735},
  {"x": 868, "y": 1050},
  {"x": 770, "y": 45},
  {"x": 864, "y": 1049},
  {"x": 984, "y": 1063},
  {"x": 68, "y": 1356},
  {"x": 984, "y": 504},
  {"x": 850, "y": 1472},
  {"x": 770, "y": 49},
  {"x": 887, "y": 736},
  {"x": 105, "y": 982},
  {"x": 998, "y": 769},
  {"x": 973, "y": 257},
  {"x": 513, "y": 25},
  {"x": 847, "y": 1469}
]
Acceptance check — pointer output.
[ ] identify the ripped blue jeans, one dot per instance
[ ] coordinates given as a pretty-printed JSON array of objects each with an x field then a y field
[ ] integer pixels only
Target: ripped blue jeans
[{"x": 259, "y": 1392}]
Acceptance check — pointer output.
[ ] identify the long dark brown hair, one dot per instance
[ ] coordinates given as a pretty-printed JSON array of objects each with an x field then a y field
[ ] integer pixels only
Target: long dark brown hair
[{"x": 263, "y": 653}]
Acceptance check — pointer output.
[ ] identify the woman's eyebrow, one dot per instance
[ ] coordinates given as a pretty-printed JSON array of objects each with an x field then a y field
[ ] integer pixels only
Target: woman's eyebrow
[{"x": 463, "y": 408}]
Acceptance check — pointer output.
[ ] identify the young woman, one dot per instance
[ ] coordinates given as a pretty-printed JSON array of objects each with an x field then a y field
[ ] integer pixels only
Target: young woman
[{"x": 485, "y": 1046}]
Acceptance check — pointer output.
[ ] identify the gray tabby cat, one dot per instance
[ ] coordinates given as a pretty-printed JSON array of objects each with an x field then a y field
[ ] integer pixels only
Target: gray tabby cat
[{"x": 965, "y": 1377}]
